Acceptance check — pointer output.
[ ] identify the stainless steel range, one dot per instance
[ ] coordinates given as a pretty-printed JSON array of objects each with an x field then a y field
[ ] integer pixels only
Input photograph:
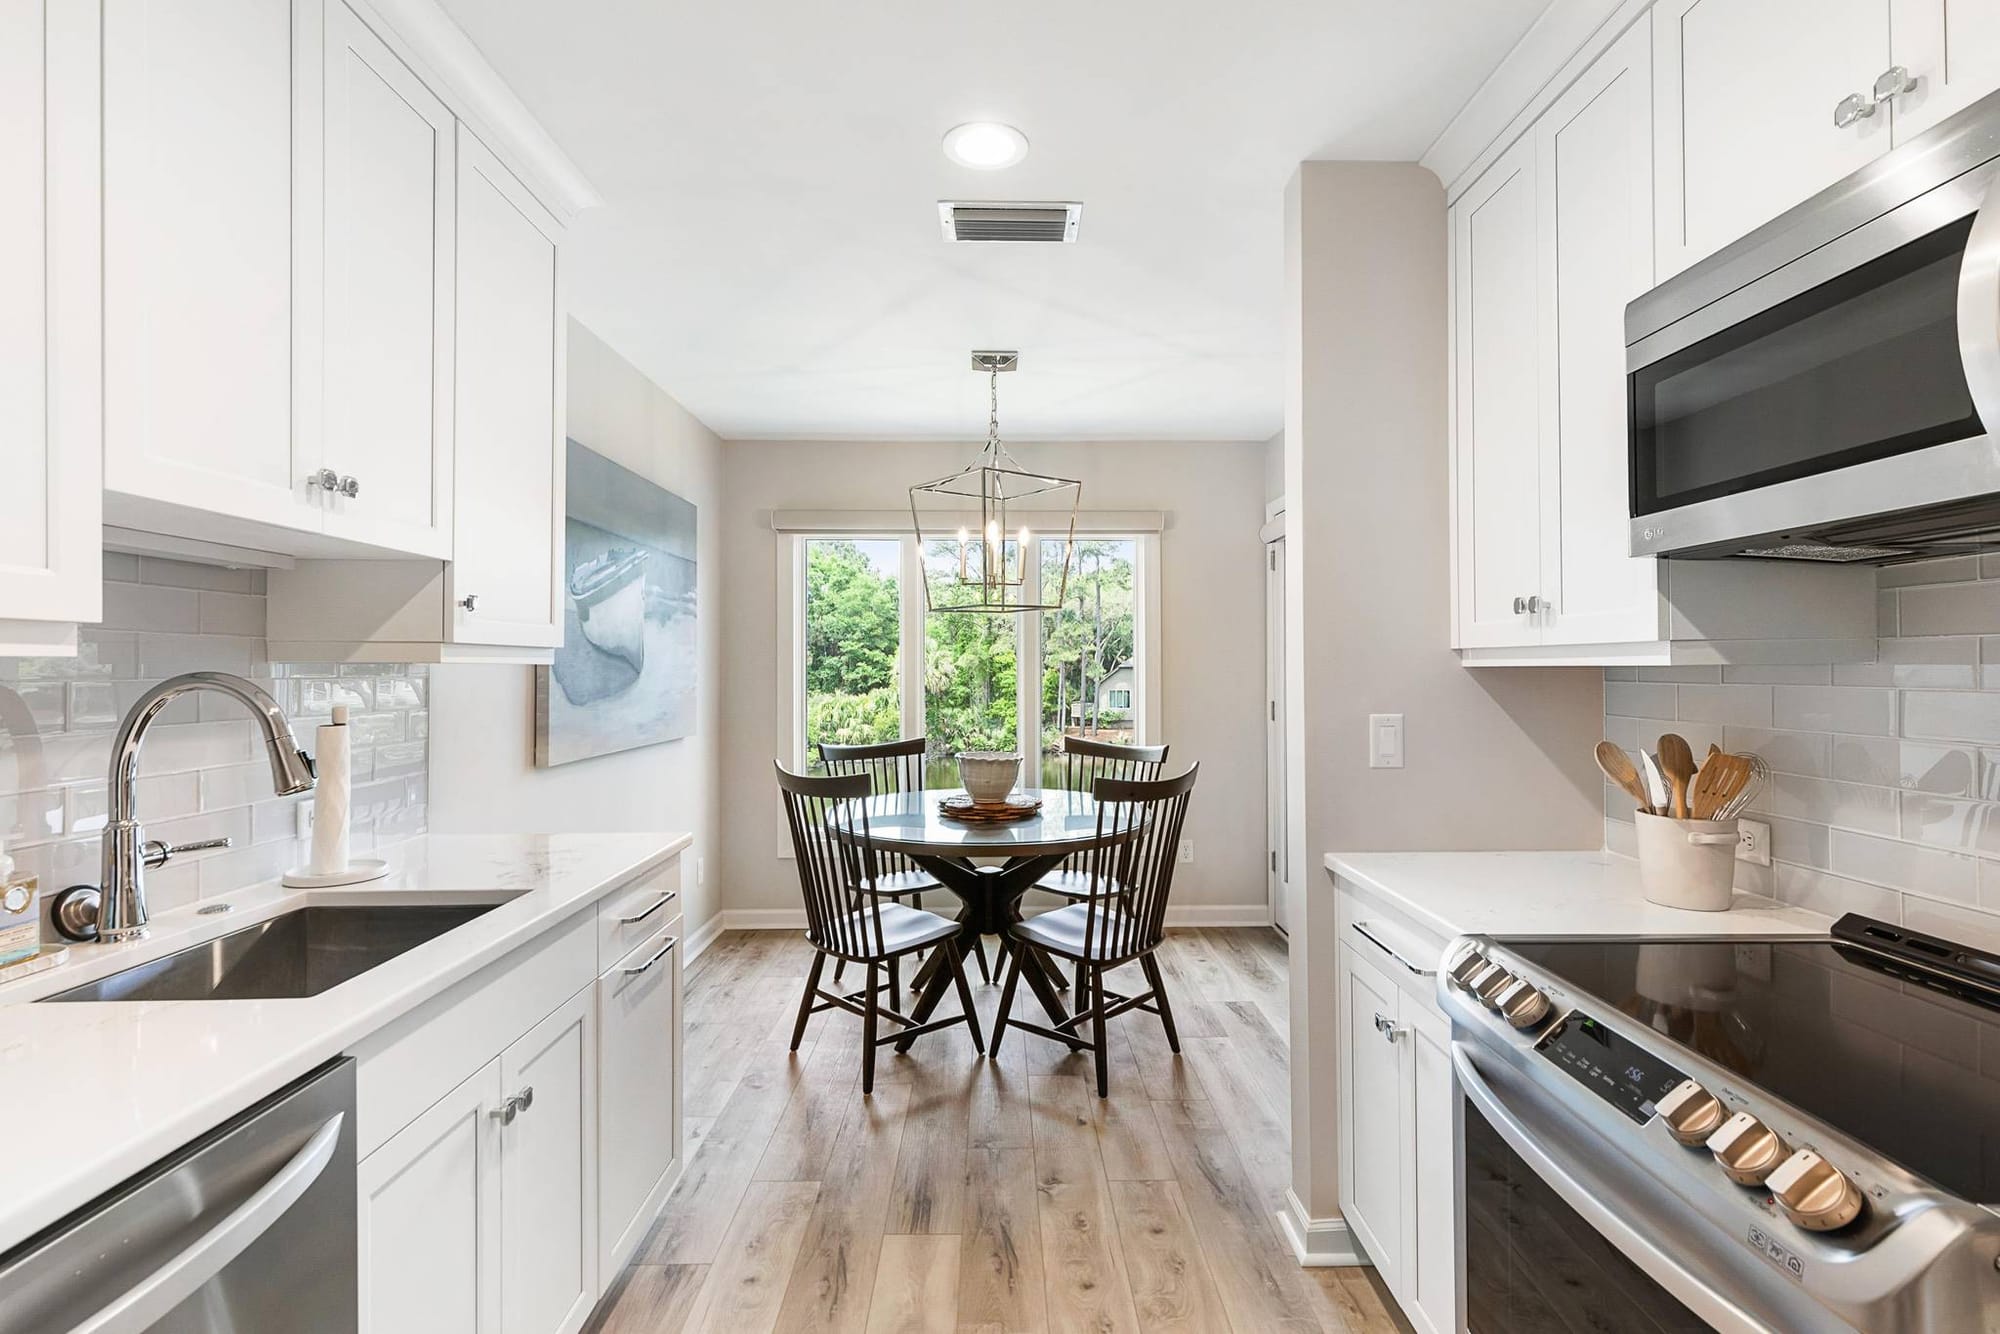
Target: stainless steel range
[{"x": 1788, "y": 1135}]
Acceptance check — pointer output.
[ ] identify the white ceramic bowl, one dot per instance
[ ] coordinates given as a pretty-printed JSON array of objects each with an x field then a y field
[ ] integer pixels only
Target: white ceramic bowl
[{"x": 989, "y": 775}]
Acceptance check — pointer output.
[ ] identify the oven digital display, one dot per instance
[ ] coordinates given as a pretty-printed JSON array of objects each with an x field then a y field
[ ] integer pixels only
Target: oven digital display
[{"x": 1613, "y": 1067}]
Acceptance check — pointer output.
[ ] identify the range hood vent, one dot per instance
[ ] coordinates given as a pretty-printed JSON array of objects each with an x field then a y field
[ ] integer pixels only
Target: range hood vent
[{"x": 1031, "y": 224}]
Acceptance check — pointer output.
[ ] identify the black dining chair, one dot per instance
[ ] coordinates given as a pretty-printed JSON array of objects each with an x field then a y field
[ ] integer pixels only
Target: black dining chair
[
  {"x": 1139, "y": 822},
  {"x": 1084, "y": 762},
  {"x": 845, "y": 919},
  {"x": 891, "y": 766}
]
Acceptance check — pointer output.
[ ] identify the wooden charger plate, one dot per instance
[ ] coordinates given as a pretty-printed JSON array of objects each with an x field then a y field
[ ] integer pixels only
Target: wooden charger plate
[{"x": 1018, "y": 806}]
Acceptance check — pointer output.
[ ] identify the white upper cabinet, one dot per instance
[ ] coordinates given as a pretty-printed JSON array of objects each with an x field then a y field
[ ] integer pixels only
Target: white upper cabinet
[
  {"x": 1496, "y": 477},
  {"x": 198, "y": 265},
  {"x": 50, "y": 484},
  {"x": 386, "y": 403},
  {"x": 1745, "y": 125},
  {"x": 1951, "y": 49},
  {"x": 502, "y": 580},
  {"x": 1596, "y": 244}
]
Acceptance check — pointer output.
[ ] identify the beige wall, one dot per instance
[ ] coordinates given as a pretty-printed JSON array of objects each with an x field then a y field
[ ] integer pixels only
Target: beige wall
[
  {"x": 1496, "y": 758},
  {"x": 1212, "y": 629},
  {"x": 482, "y": 718}
]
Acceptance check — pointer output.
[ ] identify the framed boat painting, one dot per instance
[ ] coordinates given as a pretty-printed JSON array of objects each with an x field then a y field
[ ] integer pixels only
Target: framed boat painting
[{"x": 625, "y": 674}]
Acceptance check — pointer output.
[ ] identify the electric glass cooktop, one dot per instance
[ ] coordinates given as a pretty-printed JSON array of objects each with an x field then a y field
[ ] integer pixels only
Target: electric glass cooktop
[{"x": 1901, "y": 1058}]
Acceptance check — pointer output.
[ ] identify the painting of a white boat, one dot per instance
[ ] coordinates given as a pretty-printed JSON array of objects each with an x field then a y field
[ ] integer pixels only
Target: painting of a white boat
[{"x": 625, "y": 674}]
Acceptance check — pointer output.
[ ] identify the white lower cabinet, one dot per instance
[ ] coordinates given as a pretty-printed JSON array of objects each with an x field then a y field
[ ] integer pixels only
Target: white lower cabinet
[
  {"x": 429, "y": 1218},
  {"x": 638, "y": 1108},
  {"x": 548, "y": 1173},
  {"x": 508, "y": 1202},
  {"x": 1397, "y": 1149}
]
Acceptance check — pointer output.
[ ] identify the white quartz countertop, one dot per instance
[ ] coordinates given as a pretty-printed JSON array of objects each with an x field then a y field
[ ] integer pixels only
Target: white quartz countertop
[
  {"x": 93, "y": 1092},
  {"x": 1550, "y": 894}
]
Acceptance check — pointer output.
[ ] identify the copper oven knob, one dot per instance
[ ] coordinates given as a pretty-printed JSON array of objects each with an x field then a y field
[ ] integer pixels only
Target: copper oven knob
[
  {"x": 1814, "y": 1193},
  {"x": 1691, "y": 1113},
  {"x": 1747, "y": 1149},
  {"x": 1522, "y": 1004},
  {"x": 1489, "y": 984}
]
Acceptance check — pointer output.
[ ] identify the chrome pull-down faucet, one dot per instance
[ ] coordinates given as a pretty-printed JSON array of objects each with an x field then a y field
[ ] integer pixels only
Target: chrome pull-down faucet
[{"x": 120, "y": 908}]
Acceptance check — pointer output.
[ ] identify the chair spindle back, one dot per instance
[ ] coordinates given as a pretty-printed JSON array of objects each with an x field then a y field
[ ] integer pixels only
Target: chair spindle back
[
  {"x": 1150, "y": 813},
  {"x": 891, "y": 766},
  {"x": 840, "y": 918}
]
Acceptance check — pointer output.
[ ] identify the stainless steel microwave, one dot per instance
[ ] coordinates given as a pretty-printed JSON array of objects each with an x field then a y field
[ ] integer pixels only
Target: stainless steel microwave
[{"x": 1823, "y": 388}]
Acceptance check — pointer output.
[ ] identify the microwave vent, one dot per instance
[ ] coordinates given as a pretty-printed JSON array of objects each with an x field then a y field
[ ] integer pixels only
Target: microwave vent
[{"x": 1821, "y": 551}]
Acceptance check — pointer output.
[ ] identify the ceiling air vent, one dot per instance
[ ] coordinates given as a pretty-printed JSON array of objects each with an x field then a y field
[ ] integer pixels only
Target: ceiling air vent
[{"x": 1028, "y": 223}]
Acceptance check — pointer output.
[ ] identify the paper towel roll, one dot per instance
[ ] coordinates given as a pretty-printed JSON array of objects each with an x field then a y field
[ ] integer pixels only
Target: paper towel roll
[{"x": 330, "y": 796}]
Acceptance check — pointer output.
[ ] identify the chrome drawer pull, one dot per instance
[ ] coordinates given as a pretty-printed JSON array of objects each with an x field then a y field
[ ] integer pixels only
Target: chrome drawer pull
[
  {"x": 662, "y": 902},
  {"x": 665, "y": 950},
  {"x": 1361, "y": 929}
]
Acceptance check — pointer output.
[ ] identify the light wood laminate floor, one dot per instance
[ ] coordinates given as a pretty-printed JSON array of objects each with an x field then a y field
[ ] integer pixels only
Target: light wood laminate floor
[{"x": 986, "y": 1196}]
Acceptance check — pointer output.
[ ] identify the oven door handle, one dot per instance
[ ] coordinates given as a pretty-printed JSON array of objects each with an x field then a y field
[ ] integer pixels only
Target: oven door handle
[
  {"x": 1700, "y": 1297},
  {"x": 146, "y": 1302}
]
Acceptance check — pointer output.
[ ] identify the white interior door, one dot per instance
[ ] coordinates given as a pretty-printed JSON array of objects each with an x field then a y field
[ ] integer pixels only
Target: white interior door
[
  {"x": 1596, "y": 181},
  {"x": 1745, "y": 112},
  {"x": 1278, "y": 860},
  {"x": 388, "y": 261},
  {"x": 1498, "y": 442}
]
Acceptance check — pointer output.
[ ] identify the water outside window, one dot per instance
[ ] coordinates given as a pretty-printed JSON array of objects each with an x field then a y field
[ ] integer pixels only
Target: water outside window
[
  {"x": 1088, "y": 661},
  {"x": 970, "y": 700},
  {"x": 853, "y": 638}
]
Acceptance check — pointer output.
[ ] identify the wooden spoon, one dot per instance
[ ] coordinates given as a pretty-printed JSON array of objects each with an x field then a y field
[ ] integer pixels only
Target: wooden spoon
[
  {"x": 1677, "y": 762},
  {"x": 1617, "y": 766}
]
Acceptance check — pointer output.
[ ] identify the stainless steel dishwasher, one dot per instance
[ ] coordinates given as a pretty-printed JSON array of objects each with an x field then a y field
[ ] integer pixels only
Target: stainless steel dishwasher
[{"x": 250, "y": 1229}]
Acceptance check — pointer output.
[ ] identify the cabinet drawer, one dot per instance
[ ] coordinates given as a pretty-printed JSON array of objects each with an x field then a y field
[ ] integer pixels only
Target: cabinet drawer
[
  {"x": 630, "y": 916},
  {"x": 638, "y": 1037}
]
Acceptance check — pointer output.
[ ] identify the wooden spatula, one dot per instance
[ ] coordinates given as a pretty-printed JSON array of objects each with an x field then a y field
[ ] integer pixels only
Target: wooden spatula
[
  {"x": 1617, "y": 766},
  {"x": 1718, "y": 782},
  {"x": 1677, "y": 762}
]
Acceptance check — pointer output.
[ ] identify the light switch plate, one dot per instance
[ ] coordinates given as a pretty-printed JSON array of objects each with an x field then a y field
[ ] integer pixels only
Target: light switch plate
[{"x": 1385, "y": 740}]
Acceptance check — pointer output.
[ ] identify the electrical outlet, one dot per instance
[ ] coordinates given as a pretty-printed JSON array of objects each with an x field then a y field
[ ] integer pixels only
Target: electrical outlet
[
  {"x": 1753, "y": 842},
  {"x": 1187, "y": 850},
  {"x": 305, "y": 819}
]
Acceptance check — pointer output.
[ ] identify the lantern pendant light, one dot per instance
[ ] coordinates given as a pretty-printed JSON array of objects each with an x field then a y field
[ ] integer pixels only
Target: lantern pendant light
[{"x": 985, "y": 514}]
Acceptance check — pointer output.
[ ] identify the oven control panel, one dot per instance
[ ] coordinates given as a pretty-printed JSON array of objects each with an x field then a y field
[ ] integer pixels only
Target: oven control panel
[{"x": 1610, "y": 1065}]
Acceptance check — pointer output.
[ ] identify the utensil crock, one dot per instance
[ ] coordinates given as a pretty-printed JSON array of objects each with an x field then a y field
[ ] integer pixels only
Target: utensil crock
[{"x": 1687, "y": 863}]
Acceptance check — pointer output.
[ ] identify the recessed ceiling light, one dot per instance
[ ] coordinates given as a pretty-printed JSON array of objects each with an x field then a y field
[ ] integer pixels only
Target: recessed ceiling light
[{"x": 986, "y": 145}]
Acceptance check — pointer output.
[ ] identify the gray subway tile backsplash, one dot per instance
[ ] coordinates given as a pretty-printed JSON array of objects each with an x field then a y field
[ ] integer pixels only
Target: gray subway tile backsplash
[
  {"x": 1886, "y": 794},
  {"x": 202, "y": 773}
]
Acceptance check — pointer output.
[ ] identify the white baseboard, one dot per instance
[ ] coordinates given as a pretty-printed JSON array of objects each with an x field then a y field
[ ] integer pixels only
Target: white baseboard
[
  {"x": 1318, "y": 1243},
  {"x": 702, "y": 937},
  {"x": 794, "y": 919}
]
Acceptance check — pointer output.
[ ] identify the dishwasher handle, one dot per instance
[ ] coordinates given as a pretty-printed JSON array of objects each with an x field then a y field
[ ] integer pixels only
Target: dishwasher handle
[{"x": 146, "y": 1302}]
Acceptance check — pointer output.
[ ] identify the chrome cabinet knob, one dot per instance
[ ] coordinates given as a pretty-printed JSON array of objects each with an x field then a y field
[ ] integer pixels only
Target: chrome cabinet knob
[
  {"x": 1520, "y": 606},
  {"x": 1536, "y": 606},
  {"x": 1892, "y": 83},
  {"x": 1853, "y": 109},
  {"x": 1814, "y": 1193},
  {"x": 1388, "y": 1028},
  {"x": 470, "y": 602},
  {"x": 1691, "y": 1113},
  {"x": 326, "y": 479},
  {"x": 514, "y": 1105},
  {"x": 1747, "y": 1150},
  {"x": 350, "y": 487}
]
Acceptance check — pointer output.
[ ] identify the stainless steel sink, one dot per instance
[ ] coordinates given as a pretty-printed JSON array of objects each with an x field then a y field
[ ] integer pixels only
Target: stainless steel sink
[{"x": 299, "y": 953}]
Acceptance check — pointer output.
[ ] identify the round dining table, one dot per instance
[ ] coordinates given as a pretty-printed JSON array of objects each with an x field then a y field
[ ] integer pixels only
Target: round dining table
[{"x": 1016, "y": 853}]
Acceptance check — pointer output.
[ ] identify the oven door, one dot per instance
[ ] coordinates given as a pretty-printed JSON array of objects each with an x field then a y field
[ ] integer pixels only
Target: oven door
[
  {"x": 1854, "y": 381},
  {"x": 1559, "y": 1231}
]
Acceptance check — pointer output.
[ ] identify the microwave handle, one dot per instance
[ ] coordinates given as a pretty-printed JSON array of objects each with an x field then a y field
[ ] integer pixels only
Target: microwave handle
[
  {"x": 1702, "y": 1298},
  {"x": 148, "y": 1301},
  {"x": 1979, "y": 310}
]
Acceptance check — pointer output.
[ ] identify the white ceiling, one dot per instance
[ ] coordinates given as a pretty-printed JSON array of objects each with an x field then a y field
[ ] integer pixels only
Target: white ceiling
[{"x": 770, "y": 254}]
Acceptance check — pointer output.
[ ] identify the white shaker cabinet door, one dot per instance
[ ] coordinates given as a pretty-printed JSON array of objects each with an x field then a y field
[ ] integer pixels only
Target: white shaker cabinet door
[
  {"x": 429, "y": 1218},
  {"x": 1373, "y": 1193},
  {"x": 50, "y": 488},
  {"x": 1595, "y": 177},
  {"x": 385, "y": 417},
  {"x": 507, "y": 517},
  {"x": 1430, "y": 1297},
  {"x": 548, "y": 1171},
  {"x": 198, "y": 265},
  {"x": 638, "y": 1043},
  {"x": 1496, "y": 453},
  {"x": 1745, "y": 97},
  {"x": 1951, "y": 48}
]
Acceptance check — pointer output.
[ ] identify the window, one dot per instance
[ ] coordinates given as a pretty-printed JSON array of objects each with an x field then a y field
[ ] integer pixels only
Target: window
[
  {"x": 853, "y": 643},
  {"x": 872, "y": 663}
]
